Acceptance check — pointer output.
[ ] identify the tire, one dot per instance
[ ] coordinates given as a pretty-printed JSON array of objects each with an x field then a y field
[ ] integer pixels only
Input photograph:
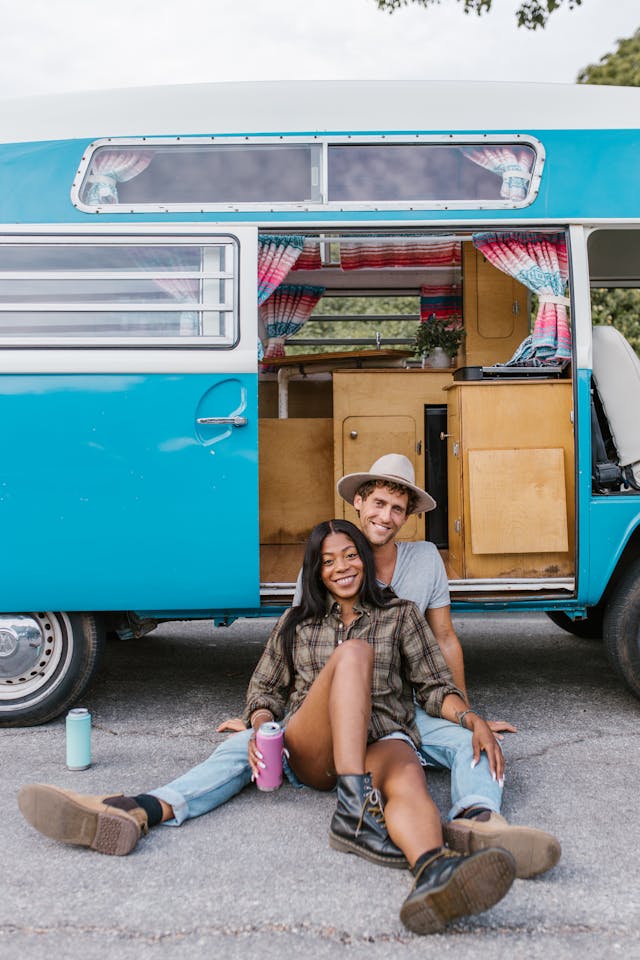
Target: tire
[
  {"x": 47, "y": 661},
  {"x": 622, "y": 628},
  {"x": 591, "y": 628}
]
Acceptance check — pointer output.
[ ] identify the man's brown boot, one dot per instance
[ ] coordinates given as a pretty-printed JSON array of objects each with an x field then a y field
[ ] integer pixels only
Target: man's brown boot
[
  {"x": 534, "y": 851},
  {"x": 111, "y": 825}
]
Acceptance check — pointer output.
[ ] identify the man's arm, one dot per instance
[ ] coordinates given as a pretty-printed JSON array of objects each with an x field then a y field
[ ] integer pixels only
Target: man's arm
[{"x": 441, "y": 624}]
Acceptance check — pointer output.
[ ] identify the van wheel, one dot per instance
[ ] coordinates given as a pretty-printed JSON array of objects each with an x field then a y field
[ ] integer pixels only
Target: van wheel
[
  {"x": 47, "y": 661},
  {"x": 590, "y": 628},
  {"x": 622, "y": 628}
]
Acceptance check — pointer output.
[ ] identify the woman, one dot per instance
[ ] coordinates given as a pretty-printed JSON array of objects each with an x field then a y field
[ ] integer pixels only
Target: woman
[{"x": 341, "y": 670}]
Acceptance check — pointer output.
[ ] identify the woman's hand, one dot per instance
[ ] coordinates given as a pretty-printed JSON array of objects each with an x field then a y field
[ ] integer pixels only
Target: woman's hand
[
  {"x": 484, "y": 740},
  {"x": 231, "y": 725},
  {"x": 256, "y": 759}
]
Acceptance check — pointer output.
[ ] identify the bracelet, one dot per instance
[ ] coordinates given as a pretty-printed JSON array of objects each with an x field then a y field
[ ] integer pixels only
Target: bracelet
[
  {"x": 461, "y": 715},
  {"x": 257, "y": 713}
]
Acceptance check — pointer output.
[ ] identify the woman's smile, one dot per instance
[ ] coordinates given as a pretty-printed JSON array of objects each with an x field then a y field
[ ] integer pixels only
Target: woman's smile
[{"x": 341, "y": 568}]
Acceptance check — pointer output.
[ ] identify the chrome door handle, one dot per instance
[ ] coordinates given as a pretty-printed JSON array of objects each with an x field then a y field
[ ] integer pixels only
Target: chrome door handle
[{"x": 234, "y": 421}]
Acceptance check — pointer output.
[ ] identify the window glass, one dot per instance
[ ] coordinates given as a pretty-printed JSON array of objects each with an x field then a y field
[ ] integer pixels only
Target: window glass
[
  {"x": 428, "y": 172},
  {"x": 191, "y": 174},
  {"x": 79, "y": 291},
  {"x": 203, "y": 174},
  {"x": 349, "y": 322}
]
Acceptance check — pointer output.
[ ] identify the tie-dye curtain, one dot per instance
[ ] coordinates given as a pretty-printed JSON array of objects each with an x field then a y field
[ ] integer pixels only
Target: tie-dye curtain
[
  {"x": 539, "y": 261},
  {"x": 310, "y": 258},
  {"x": 276, "y": 256},
  {"x": 514, "y": 166},
  {"x": 108, "y": 169},
  {"x": 443, "y": 301},
  {"x": 377, "y": 254},
  {"x": 182, "y": 289},
  {"x": 285, "y": 312}
]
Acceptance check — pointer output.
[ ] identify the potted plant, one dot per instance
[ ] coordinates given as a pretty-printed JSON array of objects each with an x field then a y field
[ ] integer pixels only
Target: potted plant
[{"x": 438, "y": 340}]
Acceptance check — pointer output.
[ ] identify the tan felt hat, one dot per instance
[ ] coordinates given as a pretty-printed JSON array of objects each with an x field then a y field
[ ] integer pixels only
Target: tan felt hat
[{"x": 392, "y": 468}]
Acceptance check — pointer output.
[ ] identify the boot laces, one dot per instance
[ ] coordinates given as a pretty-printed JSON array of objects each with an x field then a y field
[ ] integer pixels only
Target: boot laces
[{"x": 372, "y": 804}]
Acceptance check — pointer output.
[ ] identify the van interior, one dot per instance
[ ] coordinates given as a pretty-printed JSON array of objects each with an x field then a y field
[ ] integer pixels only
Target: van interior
[{"x": 492, "y": 442}]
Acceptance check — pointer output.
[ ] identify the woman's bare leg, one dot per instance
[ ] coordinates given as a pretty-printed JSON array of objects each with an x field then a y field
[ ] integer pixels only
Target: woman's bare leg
[
  {"x": 412, "y": 818},
  {"x": 327, "y": 735}
]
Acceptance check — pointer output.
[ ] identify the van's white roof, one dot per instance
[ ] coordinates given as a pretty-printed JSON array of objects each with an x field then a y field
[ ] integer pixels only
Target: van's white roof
[{"x": 317, "y": 106}]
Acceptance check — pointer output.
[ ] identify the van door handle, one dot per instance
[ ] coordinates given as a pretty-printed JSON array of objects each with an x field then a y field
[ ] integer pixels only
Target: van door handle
[{"x": 234, "y": 421}]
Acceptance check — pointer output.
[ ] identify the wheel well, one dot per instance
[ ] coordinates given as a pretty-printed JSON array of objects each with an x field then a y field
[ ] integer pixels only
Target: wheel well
[{"x": 629, "y": 555}]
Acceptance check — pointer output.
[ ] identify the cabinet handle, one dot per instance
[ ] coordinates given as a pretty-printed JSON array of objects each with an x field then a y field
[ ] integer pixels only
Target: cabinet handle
[
  {"x": 354, "y": 434},
  {"x": 443, "y": 435}
]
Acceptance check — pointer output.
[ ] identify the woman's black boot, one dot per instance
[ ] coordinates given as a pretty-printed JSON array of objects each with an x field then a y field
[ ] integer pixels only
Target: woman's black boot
[
  {"x": 449, "y": 885},
  {"x": 358, "y": 824}
]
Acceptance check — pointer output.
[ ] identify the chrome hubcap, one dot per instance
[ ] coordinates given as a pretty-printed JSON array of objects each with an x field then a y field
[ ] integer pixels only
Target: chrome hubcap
[{"x": 31, "y": 646}]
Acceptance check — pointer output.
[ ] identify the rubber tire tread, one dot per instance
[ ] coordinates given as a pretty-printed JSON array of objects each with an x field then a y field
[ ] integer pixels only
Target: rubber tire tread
[{"x": 622, "y": 628}]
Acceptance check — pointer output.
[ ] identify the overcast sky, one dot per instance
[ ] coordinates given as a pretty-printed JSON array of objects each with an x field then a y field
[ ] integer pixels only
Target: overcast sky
[{"x": 57, "y": 45}]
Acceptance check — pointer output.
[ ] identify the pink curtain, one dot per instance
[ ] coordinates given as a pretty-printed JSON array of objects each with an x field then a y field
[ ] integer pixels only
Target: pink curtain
[
  {"x": 108, "y": 169},
  {"x": 285, "y": 312},
  {"x": 374, "y": 254},
  {"x": 310, "y": 258},
  {"x": 513, "y": 165},
  {"x": 276, "y": 256},
  {"x": 443, "y": 302},
  {"x": 539, "y": 261}
]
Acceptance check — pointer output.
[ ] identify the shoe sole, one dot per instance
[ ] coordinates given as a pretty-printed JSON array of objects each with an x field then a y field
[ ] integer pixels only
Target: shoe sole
[
  {"x": 61, "y": 817},
  {"x": 477, "y": 884},
  {"x": 534, "y": 851},
  {"x": 350, "y": 846}
]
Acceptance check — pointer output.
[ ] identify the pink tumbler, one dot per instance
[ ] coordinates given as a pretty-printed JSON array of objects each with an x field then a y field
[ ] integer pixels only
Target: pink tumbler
[{"x": 270, "y": 743}]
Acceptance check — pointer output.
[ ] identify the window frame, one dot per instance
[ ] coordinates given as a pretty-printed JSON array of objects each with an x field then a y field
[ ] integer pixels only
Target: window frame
[
  {"x": 324, "y": 142},
  {"x": 119, "y": 341}
]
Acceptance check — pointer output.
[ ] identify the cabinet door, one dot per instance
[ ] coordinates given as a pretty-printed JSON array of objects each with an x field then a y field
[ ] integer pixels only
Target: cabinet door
[
  {"x": 365, "y": 439},
  {"x": 496, "y": 312}
]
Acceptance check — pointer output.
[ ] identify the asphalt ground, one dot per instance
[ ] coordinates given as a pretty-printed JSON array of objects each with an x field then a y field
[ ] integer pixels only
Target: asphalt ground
[{"x": 257, "y": 879}]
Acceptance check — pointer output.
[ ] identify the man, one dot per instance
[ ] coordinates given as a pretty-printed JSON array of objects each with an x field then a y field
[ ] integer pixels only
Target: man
[{"x": 384, "y": 498}]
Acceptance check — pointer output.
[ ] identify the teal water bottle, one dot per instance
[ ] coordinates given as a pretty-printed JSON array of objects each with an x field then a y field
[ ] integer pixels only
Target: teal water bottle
[{"x": 78, "y": 739}]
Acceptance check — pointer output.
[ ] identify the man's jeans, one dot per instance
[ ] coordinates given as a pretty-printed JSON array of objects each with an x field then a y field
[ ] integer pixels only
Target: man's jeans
[
  {"x": 226, "y": 772},
  {"x": 447, "y": 745}
]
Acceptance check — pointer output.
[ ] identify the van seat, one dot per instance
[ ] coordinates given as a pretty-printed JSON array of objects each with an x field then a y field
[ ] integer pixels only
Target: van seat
[{"x": 616, "y": 371}]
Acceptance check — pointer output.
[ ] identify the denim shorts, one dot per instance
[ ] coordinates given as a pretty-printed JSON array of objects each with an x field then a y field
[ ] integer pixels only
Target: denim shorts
[{"x": 396, "y": 735}]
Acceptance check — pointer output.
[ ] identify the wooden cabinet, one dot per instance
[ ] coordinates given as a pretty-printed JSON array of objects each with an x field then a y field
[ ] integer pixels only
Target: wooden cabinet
[
  {"x": 378, "y": 412},
  {"x": 495, "y": 311},
  {"x": 511, "y": 479}
]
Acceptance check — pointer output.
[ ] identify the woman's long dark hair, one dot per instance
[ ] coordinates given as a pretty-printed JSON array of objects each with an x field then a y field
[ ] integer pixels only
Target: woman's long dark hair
[{"x": 313, "y": 603}]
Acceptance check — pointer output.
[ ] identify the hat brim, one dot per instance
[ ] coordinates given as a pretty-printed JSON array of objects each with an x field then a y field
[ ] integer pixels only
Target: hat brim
[{"x": 348, "y": 485}]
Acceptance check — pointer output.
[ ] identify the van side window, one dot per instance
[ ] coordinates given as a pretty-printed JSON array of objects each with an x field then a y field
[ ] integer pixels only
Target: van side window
[
  {"x": 431, "y": 172},
  {"x": 136, "y": 290},
  {"x": 434, "y": 171}
]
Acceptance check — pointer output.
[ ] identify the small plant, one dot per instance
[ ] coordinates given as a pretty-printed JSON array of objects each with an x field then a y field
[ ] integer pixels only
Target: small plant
[{"x": 438, "y": 332}]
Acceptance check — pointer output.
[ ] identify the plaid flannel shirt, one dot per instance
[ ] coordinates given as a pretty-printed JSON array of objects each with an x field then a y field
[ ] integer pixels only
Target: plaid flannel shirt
[{"x": 406, "y": 659}]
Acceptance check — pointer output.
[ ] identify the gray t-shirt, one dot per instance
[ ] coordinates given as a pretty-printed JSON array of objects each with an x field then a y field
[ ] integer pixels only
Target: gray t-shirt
[{"x": 419, "y": 576}]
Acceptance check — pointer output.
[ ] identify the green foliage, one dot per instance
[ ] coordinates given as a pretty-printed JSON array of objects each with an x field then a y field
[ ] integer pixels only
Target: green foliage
[
  {"x": 438, "y": 333},
  {"x": 622, "y": 67},
  {"x": 530, "y": 14},
  {"x": 336, "y": 329},
  {"x": 619, "y": 308}
]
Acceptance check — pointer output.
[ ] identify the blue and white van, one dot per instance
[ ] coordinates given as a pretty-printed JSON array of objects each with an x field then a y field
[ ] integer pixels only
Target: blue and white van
[{"x": 191, "y": 354}]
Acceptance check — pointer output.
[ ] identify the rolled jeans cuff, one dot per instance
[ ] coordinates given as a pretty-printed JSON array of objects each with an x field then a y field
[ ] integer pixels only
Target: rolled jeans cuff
[
  {"x": 176, "y": 801},
  {"x": 474, "y": 800}
]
